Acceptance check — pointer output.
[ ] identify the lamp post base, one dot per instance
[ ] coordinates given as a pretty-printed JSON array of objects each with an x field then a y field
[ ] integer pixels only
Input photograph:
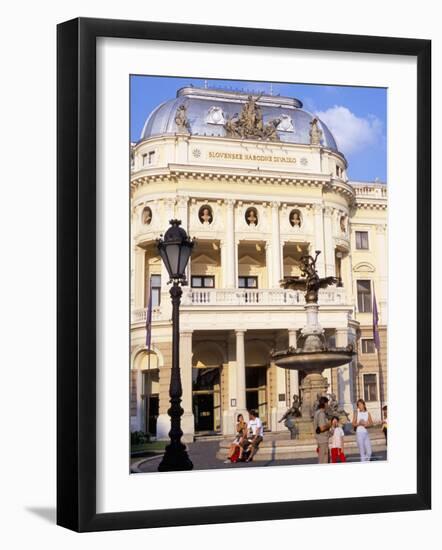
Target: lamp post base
[{"x": 175, "y": 460}]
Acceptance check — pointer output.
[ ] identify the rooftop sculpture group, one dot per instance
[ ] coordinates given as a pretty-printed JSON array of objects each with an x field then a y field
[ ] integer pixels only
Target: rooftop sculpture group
[{"x": 249, "y": 123}]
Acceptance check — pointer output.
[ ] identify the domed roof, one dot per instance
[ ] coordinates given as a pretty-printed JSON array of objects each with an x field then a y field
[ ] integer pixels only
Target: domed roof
[{"x": 208, "y": 109}]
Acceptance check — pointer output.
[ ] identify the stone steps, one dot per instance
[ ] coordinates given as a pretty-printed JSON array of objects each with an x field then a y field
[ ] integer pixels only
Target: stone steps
[{"x": 276, "y": 448}]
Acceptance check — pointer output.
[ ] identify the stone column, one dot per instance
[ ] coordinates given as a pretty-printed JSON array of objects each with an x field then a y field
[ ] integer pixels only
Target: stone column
[
  {"x": 293, "y": 374},
  {"x": 140, "y": 277},
  {"x": 230, "y": 267},
  {"x": 229, "y": 414},
  {"x": 182, "y": 214},
  {"x": 169, "y": 214},
  {"x": 276, "y": 247},
  {"x": 329, "y": 249},
  {"x": 381, "y": 266},
  {"x": 344, "y": 374},
  {"x": 240, "y": 373},
  {"x": 279, "y": 387},
  {"x": 269, "y": 269},
  {"x": 139, "y": 422},
  {"x": 187, "y": 420},
  {"x": 223, "y": 253},
  {"x": 319, "y": 238}
]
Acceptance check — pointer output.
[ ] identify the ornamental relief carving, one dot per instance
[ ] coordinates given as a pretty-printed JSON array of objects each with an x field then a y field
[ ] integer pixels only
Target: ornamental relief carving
[
  {"x": 295, "y": 220},
  {"x": 250, "y": 217},
  {"x": 146, "y": 215},
  {"x": 205, "y": 216}
]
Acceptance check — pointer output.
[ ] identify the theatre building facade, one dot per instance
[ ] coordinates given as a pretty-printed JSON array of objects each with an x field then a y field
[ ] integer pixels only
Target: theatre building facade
[{"x": 259, "y": 182}]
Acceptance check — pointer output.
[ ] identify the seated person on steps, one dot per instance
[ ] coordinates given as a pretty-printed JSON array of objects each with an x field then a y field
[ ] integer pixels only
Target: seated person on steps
[{"x": 255, "y": 433}]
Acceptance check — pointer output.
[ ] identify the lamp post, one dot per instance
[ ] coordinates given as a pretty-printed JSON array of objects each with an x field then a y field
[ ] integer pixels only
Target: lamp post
[{"x": 175, "y": 250}]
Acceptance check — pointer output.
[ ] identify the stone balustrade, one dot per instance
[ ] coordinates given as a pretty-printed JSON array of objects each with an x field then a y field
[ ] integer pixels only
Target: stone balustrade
[{"x": 233, "y": 297}]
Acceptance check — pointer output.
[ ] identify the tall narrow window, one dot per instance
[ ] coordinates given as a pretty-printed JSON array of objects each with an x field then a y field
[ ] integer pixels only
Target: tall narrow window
[
  {"x": 367, "y": 345},
  {"x": 370, "y": 387},
  {"x": 364, "y": 296},
  {"x": 155, "y": 281},
  {"x": 362, "y": 240}
]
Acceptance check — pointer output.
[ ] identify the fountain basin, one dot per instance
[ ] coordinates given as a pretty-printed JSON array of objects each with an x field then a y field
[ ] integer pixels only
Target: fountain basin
[{"x": 313, "y": 361}]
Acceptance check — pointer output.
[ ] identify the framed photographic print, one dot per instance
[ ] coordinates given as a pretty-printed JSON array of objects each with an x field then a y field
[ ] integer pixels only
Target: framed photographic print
[{"x": 243, "y": 274}]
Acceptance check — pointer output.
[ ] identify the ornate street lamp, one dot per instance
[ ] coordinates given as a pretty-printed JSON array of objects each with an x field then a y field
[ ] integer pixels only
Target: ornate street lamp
[{"x": 175, "y": 250}]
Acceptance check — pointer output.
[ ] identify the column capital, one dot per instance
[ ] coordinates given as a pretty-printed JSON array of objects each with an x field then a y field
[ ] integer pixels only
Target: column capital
[
  {"x": 230, "y": 202},
  {"x": 186, "y": 333},
  {"x": 169, "y": 201},
  {"x": 275, "y": 204},
  {"x": 328, "y": 210},
  {"x": 240, "y": 331},
  {"x": 317, "y": 208},
  {"x": 182, "y": 200}
]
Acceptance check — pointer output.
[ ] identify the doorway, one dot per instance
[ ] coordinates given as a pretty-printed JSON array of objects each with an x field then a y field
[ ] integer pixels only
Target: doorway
[
  {"x": 151, "y": 400},
  {"x": 256, "y": 391},
  {"x": 206, "y": 400}
]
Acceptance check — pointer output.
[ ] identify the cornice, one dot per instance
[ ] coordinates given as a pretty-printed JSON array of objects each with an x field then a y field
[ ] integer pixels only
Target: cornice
[{"x": 178, "y": 173}]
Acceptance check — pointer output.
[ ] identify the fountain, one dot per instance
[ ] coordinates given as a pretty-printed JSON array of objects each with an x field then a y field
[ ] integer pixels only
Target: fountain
[{"x": 313, "y": 355}]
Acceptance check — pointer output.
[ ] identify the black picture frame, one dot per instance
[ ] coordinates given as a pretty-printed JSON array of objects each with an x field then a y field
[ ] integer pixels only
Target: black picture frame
[{"x": 76, "y": 273}]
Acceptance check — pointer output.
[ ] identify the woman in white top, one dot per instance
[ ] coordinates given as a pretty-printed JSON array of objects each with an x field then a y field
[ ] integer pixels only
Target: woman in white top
[{"x": 361, "y": 421}]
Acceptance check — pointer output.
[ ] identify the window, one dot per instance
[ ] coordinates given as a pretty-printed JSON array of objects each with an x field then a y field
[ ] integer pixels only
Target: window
[
  {"x": 370, "y": 387},
  {"x": 148, "y": 158},
  {"x": 367, "y": 345},
  {"x": 362, "y": 240},
  {"x": 364, "y": 296},
  {"x": 248, "y": 282},
  {"x": 203, "y": 281},
  {"x": 155, "y": 281}
]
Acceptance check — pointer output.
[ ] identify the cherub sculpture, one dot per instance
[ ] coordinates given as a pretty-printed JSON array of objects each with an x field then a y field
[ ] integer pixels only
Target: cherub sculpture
[
  {"x": 290, "y": 415},
  {"x": 309, "y": 280}
]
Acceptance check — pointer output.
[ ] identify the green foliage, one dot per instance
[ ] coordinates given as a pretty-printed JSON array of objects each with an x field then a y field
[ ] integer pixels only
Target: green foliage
[{"x": 139, "y": 438}]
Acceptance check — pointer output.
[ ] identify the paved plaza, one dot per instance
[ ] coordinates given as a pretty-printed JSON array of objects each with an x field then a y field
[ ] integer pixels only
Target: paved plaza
[{"x": 203, "y": 456}]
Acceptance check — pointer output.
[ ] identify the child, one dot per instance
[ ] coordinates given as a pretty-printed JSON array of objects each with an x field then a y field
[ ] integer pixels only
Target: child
[{"x": 337, "y": 441}]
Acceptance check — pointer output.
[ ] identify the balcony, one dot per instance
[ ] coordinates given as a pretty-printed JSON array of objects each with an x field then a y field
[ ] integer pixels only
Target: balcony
[
  {"x": 140, "y": 315},
  {"x": 247, "y": 298},
  {"x": 257, "y": 297}
]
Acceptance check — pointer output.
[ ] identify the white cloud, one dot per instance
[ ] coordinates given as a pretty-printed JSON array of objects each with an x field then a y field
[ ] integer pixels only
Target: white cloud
[{"x": 352, "y": 133}]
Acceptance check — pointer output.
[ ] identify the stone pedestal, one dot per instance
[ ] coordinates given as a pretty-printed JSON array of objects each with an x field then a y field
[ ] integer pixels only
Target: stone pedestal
[
  {"x": 312, "y": 384},
  {"x": 304, "y": 427}
]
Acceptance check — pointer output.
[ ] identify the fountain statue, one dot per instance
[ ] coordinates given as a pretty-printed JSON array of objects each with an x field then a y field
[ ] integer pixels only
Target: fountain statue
[
  {"x": 313, "y": 355},
  {"x": 290, "y": 415}
]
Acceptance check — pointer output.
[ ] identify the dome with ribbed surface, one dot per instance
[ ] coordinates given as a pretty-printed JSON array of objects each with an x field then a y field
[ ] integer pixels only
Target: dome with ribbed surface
[{"x": 207, "y": 110}]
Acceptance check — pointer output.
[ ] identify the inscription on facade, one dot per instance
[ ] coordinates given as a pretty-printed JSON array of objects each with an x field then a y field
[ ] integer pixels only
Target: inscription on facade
[{"x": 250, "y": 157}]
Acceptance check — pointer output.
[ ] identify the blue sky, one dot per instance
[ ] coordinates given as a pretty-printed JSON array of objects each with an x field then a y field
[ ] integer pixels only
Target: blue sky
[{"x": 356, "y": 116}]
